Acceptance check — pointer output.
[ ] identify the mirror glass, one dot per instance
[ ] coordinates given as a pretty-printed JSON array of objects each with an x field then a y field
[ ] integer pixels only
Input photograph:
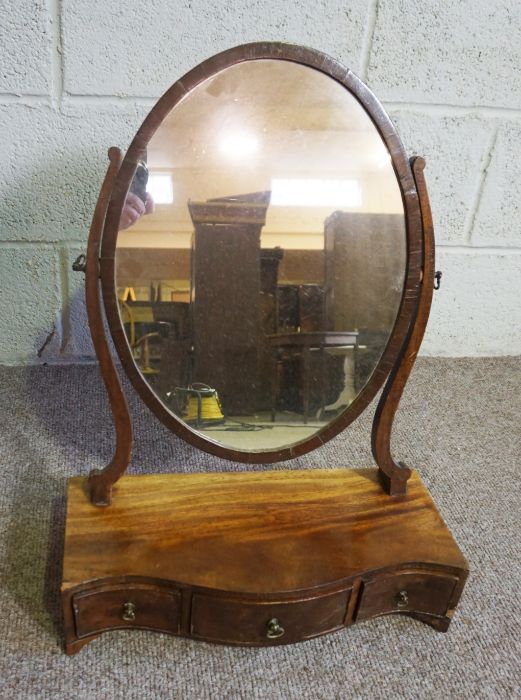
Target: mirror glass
[{"x": 261, "y": 255}]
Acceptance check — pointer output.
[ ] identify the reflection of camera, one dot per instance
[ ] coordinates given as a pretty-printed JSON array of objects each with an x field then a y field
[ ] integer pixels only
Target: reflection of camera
[{"x": 138, "y": 185}]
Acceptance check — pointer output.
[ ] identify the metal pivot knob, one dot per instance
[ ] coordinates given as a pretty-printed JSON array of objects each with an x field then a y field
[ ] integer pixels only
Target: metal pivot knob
[
  {"x": 402, "y": 599},
  {"x": 275, "y": 629},
  {"x": 129, "y": 612},
  {"x": 80, "y": 264}
]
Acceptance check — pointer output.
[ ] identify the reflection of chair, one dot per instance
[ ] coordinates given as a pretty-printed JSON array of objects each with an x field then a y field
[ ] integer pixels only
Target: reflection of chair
[
  {"x": 303, "y": 373},
  {"x": 143, "y": 344},
  {"x": 142, "y": 319}
]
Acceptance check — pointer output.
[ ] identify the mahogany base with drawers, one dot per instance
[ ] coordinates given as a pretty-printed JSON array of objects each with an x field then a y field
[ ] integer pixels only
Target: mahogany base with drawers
[{"x": 255, "y": 558}]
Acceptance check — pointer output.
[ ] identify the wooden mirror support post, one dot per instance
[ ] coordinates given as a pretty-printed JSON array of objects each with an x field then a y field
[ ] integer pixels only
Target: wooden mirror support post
[{"x": 258, "y": 557}]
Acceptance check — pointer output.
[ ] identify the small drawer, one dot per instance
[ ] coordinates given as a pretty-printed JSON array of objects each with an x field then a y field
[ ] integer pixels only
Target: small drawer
[
  {"x": 117, "y": 607},
  {"x": 266, "y": 622},
  {"x": 425, "y": 592}
]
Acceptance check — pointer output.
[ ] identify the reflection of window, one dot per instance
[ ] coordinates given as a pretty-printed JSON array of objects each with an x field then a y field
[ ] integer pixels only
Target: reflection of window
[
  {"x": 315, "y": 193},
  {"x": 161, "y": 188}
]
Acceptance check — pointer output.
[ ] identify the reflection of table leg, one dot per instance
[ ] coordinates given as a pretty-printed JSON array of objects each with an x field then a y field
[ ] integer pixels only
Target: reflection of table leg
[
  {"x": 274, "y": 385},
  {"x": 348, "y": 391},
  {"x": 306, "y": 383},
  {"x": 355, "y": 364},
  {"x": 322, "y": 382}
]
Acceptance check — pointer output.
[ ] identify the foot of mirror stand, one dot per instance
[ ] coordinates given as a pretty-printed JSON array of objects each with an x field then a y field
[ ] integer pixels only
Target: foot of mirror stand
[
  {"x": 100, "y": 488},
  {"x": 395, "y": 483},
  {"x": 255, "y": 558}
]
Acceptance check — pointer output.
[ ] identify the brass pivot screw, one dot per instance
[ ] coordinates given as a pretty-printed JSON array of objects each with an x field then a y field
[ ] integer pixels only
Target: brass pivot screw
[
  {"x": 275, "y": 629},
  {"x": 129, "y": 612},
  {"x": 80, "y": 264}
]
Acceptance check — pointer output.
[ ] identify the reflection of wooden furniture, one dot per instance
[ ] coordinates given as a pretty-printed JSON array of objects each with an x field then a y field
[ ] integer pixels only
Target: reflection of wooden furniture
[
  {"x": 300, "y": 307},
  {"x": 301, "y": 375},
  {"x": 175, "y": 367},
  {"x": 225, "y": 292},
  {"x": 270, "y": 259},
  {"x": 311, "y": 308},
  {"x": 287, "y": 308},
  {"x": 362, "y": 263},
  {"x": 302, "y": 345}
]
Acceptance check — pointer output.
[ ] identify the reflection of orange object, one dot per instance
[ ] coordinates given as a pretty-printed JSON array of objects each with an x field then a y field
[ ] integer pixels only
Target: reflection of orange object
[
  {"x": 180, "y": 296},
  {"x": 203, "y": 405}
]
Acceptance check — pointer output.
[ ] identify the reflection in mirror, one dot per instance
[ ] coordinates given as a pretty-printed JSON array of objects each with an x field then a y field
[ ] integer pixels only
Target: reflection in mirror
[{"x": 261, "y": 272}]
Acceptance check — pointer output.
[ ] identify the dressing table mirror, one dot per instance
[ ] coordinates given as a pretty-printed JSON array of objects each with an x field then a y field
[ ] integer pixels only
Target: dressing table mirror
[{"x": 274, "y": 276}]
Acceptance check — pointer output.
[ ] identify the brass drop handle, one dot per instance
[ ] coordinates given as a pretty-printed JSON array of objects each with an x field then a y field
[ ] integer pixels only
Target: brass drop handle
[
  {"x": 402, "y": 599},
  {"x": 275, "y": 629},
  {"x": 129, "y": 612}
]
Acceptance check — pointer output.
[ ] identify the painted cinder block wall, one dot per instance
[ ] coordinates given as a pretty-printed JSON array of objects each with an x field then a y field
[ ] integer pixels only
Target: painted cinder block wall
[{"x": 77, "y": 76}]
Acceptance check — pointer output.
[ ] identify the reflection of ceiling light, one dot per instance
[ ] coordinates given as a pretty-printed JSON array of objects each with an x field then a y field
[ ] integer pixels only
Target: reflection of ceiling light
[
  {"x": 161, "y": 188},
  {"x": 315, "y": 193},
  {"x": 238, "y": 145}
]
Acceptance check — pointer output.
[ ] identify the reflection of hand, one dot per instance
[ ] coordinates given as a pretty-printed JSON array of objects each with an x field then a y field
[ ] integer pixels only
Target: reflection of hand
[{"x": 133, "y": 210}]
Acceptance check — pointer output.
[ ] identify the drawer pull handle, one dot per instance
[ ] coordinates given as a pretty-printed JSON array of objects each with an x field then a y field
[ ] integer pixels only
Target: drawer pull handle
[
  {"x": 129, "y": 612},
  {"x": 275, "y": 629},
  {"x": 402, "y": 599}
]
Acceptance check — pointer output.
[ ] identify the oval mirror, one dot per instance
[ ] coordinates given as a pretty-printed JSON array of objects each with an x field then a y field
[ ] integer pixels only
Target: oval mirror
[{"x": 259, "y": 290}]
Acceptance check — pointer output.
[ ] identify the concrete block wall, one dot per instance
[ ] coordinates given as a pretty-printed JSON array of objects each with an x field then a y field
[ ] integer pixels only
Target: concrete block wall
[{"x": 78, "y": 76}]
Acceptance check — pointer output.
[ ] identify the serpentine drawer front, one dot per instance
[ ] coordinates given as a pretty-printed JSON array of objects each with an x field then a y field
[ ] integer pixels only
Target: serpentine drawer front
[
  {"x": 266, "y": 622},
  {"x": 428, "y": 592},
  {"x": 223, "y": 589},
  {"x": 122, "y": 606}
]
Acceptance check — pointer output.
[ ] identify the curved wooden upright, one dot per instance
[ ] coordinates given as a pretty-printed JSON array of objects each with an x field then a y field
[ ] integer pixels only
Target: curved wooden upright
[
  {"x": 394, "y": 475},
  {"x": 100, "y": 481}
]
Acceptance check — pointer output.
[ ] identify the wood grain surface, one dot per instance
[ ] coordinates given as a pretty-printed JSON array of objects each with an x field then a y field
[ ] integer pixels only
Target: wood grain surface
[
  {"x": 255, "y": 533},
  {"x": 394, "y": 474}
]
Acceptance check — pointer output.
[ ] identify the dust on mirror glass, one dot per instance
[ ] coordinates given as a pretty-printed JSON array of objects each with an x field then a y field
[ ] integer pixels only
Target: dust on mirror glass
[{"x": 261, "y": 255}]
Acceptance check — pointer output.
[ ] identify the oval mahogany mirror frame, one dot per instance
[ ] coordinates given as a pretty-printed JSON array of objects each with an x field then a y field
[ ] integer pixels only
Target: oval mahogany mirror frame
[{"x": 414, "y": 227}]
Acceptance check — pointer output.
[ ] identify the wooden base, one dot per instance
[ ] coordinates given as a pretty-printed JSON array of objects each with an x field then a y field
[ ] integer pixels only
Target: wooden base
[{"x": 255, "y": 558}]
